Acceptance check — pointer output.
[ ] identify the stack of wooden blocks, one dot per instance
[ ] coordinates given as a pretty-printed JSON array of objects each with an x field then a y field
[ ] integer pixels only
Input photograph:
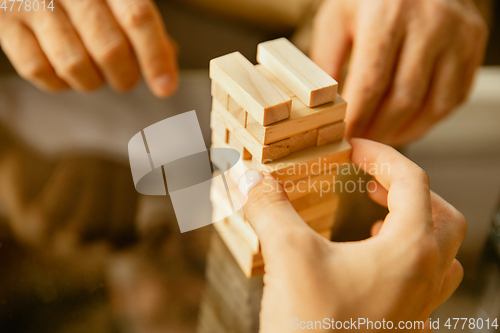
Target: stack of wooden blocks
[{"x": 284, "y": 116}]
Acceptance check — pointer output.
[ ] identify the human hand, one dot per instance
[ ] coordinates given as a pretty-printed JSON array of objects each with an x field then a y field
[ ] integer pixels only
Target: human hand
[
  {"x": 412, "y": 62},
  {"x": 402, "y": 273},
  {"x": 81, "y": 44}
]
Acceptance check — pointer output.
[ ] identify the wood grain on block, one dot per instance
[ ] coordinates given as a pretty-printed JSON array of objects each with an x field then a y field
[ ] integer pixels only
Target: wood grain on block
[
  {"x": 235, "y": 176},
  {"x": 325, "y": 222},
  {"x": 302, "y": 119},
  {"x": 303, "y": 140},
  {"x": 331, "y": 133},
  {"x": 245, "y": 230},
  {"x": 237, "y": 111},
  {"x": 320, "y": 210},
  {"x": 312, "y": 199},
  {"x": 274, "y": 80},
  {"x": 219, "y": 93},
  {"x": 299, "y": 73},
  {"x": 263, "y": 153},
  {"x": 242, "y": 252},
  {"x": 237, "y": 145},
  {"x": 310, "y": 184},
  {"x": 250, "y": 89},
  {"x": 312, "y": 161},
  {"x": 219, "y": 129}
]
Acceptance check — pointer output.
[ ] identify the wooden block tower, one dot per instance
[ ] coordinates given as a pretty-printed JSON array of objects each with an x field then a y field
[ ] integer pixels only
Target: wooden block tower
[{"x": 283, "y": 116}]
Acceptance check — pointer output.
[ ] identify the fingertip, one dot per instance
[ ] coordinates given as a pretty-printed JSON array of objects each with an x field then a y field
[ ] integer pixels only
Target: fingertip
[{"x": 164, "y": 85}]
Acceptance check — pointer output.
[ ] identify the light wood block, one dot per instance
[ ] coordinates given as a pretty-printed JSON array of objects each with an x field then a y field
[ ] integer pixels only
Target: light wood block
[
  {"x": 312, "y": 199},
  {"x": 237, "y": 145},
  {"x": 302, "y": 119},
  {"x": 274, "y": 80},
  {"x": 327, "y": 207},
  {"x": 310, "y": 184},
  {"x": 331, "y": 133},
  {"x": 303, "y": 141},
  {"x": 219, "y": 94},
  {"x": 299, "y": 73},
  {"x": 219, "y": 130},
  {"x": 245, "y": 230},
  {"x": 247, "y": 258},
  {"x": 250, "y": 89},
  {"x": 237, "y": 111},
  {"x": 312, "y": 161},
  {"x": 263, "y": 154}
]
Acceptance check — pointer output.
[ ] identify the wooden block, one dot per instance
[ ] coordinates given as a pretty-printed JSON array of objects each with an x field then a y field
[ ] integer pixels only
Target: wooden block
[
  {"x": 219, "y": 94},
  {"x": 302, "y": 119},
  {"x": 245, "y": 230},
  {"x": 246, "y": 257},
  {"x": 331, "y": 133},
  {"x": 318, "y": 211},
  {"x": 299, "y": 73},
  {"x": 237, "y": 111},
  {"x": 310, "y": 184},
  {"x": 312, "y": 161},
  {"x": 312, "y": 199},
  {"x": 274, "y": 80},
  {"x": 237, "y": 145},
  {"x": 325, "y": 222},
  {"x": 263, "y": 153},
  {"x": 303, "y": 140},
  {"x": 235, "y": 176},
  {"x": 219, "y": 129},
  {"x": 250, "y": 89}
]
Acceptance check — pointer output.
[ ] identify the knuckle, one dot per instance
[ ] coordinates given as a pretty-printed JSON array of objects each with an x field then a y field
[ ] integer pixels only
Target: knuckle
[
  {"x": 421, "y": 176},
  {"x": 404, "y": 103},
  {"x": 34, "y": 71},
  {"x": 139, "y": 14},
  {"x": 72, "y": 66},
  {"x": 112, "y": 51}
]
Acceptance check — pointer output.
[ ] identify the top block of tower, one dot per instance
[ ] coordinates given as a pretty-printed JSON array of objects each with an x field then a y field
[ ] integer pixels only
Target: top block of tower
[
  {"x": 300, "y": 74},
  {"x": 250, "y": 89}
]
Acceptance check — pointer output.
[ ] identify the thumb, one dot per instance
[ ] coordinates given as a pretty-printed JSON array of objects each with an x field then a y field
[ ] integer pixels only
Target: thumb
[{"x": 267, "y": 207}]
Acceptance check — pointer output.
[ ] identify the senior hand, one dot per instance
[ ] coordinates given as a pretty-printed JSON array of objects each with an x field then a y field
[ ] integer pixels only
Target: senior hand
[
  {"x": 412, "y": 61},
  {"x": 82, "y": 43},
  {"x": 402, "y": 273}
]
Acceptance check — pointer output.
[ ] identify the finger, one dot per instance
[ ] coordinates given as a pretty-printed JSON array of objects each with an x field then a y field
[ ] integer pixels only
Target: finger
[
  {"x": 143, "y": 25},
  {"x": 372, "y": 63},
  {"x": 330, "y": 40},
  {"x": 452, "y": 280},
  {"x": 450, "y": 227},
  {"x": 376, "y": 227},
  {"x": 377, "y": 192},
  {"x": 105, "y": 42},
  {"x": 445, "y": 93},
  {"x": 268, "y": 209},
  {"x": 65, "y": 51},
  {"x": 25, "y": 54},
  {"x": 408, "y": 198},
  {"x": 409, "y": 88}
]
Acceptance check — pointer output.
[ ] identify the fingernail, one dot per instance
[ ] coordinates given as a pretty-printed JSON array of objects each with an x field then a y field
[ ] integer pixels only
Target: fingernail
[
  {"x": 249, "y": 180},
  {"x": 162, "y": 84}
]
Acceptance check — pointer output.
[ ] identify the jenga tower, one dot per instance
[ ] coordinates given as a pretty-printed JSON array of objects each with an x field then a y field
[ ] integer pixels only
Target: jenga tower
[{"x": 284, "y": 116}]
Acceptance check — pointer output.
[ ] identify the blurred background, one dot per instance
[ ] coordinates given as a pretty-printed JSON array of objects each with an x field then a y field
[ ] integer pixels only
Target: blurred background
[{"x": 81, "y": 250}]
